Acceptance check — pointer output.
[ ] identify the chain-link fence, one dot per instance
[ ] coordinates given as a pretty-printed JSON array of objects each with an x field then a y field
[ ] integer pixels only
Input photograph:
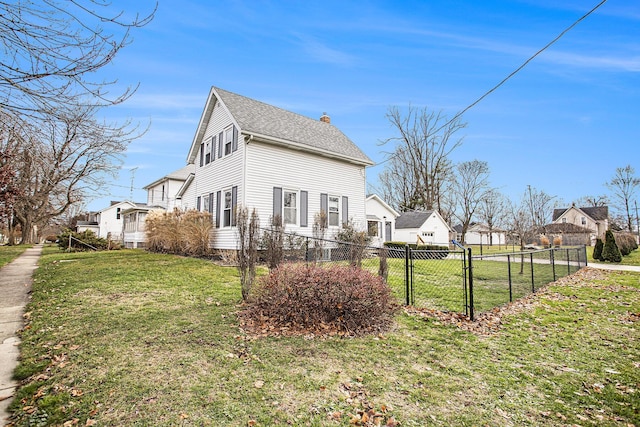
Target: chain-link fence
[
  {"x": 449, "y": 280},
  {"x": 498, "y": 279}
]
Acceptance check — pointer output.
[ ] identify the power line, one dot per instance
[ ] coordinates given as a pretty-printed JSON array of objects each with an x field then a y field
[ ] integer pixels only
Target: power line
[{"x": 513, "y": 73}]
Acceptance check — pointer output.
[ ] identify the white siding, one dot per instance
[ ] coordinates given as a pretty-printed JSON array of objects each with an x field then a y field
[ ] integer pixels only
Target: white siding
[
  {"x": 110, "y": 223},
  {"x": 221, "y": 174},
  {"x": 270, "y": 166},
  {"x": 433, "y": 224},
  {"x": 167, "y": 198},
  {"x": 379, "y": 210}
]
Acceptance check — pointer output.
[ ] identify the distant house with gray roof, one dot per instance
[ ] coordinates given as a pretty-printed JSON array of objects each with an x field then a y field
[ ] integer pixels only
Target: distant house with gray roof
[
  {"x": 423, "y": 227},
  {"x": 595, "y": 219},
  {"x": 249, "y": 153}
]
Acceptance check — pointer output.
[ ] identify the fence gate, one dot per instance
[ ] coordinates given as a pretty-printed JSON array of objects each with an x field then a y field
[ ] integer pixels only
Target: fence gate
[{"x": 438, "y": 279}]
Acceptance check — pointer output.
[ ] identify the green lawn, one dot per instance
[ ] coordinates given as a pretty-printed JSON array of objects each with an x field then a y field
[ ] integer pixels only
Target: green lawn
[
  {"x": 632, "y": 259},
  {"x": 9, "y": 253},
  {"x": 131, "y": 338}
]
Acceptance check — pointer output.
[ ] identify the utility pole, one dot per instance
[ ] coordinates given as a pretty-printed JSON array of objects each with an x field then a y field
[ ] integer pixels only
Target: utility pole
[{"x": 637, "y": 221}]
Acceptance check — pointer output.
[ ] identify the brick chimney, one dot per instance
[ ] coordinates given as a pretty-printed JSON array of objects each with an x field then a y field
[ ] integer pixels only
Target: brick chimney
[{"x": 325, "y": 118}]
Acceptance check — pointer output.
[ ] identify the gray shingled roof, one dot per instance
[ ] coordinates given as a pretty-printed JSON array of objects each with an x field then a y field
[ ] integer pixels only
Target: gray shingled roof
[
  {"x": 256, "y": 117},
  {"x": 412, "y": 219},
  {"x": 598, "y": 213}
]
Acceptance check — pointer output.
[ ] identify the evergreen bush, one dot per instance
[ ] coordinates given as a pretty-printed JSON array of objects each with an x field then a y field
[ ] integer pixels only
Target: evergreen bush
[
  {"x": 610, "y": 251},
  {"x": 597, "y": 250}
]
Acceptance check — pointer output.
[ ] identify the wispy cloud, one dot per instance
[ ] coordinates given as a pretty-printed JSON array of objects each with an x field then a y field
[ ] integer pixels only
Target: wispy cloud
[{"x": 321, "y": 52}]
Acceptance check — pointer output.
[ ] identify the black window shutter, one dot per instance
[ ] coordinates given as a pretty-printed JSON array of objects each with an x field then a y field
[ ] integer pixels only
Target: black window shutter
[
  {"x": 277, "y": 202},
  {"x": 345, "y": 210},
  {"x": 220, "y": 143},
  {"x": 198, "y": 203},
  {"x": 201, "y": 154},
  {"x": 234, "y": 143},
  {"x": 234, "y": 204},
  {"x": 304, "y": 209},
  {"x": 324, "y": 206},
  {"x": 213, "y": 148},
  {"x": 211, "y": 203},
  {"x": 218, "y": 208}
]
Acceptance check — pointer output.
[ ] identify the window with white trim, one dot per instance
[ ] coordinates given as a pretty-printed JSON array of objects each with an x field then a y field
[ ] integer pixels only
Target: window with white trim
[
  {"x": 207, "y": 152},
  {"x": 334, "y": 211},
  {"x": 228, "y": 139},
  {"x": 290, "y": 207},
  {"x": 205, "y": 203},
  {"x": 228, "y": 207}
]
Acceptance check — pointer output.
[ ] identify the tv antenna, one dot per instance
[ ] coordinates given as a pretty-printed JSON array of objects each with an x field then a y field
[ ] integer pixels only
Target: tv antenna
[{"x": 133, "y": 174}]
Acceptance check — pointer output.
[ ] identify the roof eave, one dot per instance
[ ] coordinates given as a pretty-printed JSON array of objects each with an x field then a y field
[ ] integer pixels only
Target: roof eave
[{"x": 303, "y": 147}]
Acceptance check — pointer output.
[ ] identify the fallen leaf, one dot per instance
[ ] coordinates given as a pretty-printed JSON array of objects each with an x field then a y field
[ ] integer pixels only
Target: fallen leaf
[{"x": 258, "y": 384}]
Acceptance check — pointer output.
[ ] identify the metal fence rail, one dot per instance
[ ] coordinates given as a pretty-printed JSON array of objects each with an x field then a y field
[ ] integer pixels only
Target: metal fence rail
[{"x": 449, "y": 280}]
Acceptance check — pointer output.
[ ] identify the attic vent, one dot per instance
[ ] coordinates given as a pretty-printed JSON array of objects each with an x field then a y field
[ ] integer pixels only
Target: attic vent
[{"x": 324, "y": 118}]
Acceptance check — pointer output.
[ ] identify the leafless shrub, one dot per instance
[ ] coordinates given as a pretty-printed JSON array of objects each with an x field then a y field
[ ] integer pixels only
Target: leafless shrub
[
  {"x": 247, "y": 227},
  {"x": 273, "y": 242}
]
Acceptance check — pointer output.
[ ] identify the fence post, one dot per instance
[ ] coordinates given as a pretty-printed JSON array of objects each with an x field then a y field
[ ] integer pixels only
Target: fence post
[
  {"x": 553, "y": 263},
  {"x": 533, "y": 281},
  {"x": 568, "y": 263},
  {"x": 470, "y": 286},
  {"x": 509, "y": 274},
  {"x": 406, "y": 274}
]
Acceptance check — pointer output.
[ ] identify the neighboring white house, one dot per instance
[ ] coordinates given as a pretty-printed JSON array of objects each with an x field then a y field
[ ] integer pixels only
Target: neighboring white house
[
  {"x": 381, "y": 220},
  {"x": 479, "y": 234},
  {"x": 252, "y": 154},
  {"x": 166, "y": 191},
  {"x": 423, "y": 227},
  {"x": 110, "y": 220}
]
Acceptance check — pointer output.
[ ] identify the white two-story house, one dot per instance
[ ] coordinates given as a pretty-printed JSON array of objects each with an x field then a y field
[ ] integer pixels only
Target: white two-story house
[{"x": 252, "y": 154}]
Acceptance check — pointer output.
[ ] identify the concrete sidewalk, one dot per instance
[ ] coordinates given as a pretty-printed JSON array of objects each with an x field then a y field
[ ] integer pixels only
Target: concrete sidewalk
[
  {"x": 615, "y": 267},
  {"x": 15, "y": 285}
]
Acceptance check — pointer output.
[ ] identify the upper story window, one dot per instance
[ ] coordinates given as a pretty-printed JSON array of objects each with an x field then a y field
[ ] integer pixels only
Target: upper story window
[
  {"x": 290, "y": 207},
  {"x": 228, "y": 140},
  {"x": 162, "y": 193},
  {"x": 564, "y": 220},
  {"x": 207, "y": 152},
  {"x": 117, "y": 213},
  {"x": 334, "y": 211},
  {"x": 583, "y": 221}
]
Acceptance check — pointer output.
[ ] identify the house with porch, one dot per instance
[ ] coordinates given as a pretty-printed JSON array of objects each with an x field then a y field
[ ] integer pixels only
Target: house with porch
[
  {"x": 381, "y": 220},
  {"x": 249, "y": 153}
]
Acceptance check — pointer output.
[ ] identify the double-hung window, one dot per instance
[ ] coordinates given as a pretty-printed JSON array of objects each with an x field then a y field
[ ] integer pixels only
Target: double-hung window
[
  {"x": 290, "y": 207},
  {"x": 207, "y": 151},
  {"x": 228, "y": 207},
  {"x": 205, "y": 203},
  {"x": 334, "y": 211},
  {"x": 228, "y": 139}
]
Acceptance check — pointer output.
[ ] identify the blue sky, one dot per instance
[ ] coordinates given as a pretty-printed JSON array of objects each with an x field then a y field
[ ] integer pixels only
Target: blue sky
[{"x": 562, "y": 125}]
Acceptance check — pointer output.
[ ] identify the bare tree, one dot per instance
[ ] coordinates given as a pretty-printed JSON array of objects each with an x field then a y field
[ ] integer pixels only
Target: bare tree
[
  {"x": 540, "y": 206},
  {"x": 624, "y": 186},
  {"x": 471, "y": 186},
  {"x": 521, "y": 226},
  {"x": 52, "y": 49},
  {"x": 592, "y": 201},
  {"x": 419, "y": 165},
  {"x": 492, "y": 210},
  {"x": 59, "y": 160}
]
